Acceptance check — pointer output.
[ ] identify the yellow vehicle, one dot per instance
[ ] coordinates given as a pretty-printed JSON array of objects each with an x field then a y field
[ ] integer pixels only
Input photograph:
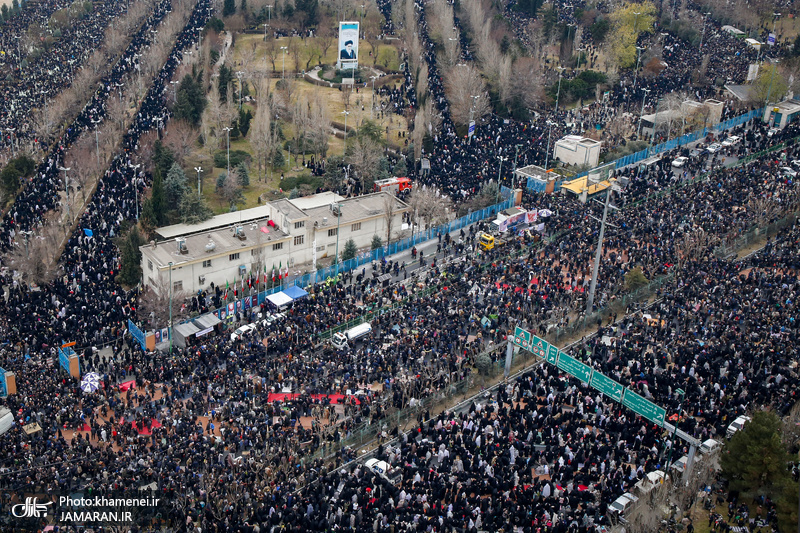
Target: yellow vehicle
[{"x": 489, "y": 242}]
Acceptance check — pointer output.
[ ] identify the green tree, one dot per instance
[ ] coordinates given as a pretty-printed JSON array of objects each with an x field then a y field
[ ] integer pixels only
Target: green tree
[
  {"x": 400, "y": 169},
  {"x": 149, "y": 217},
  {"x": 9, "y": 179},
  {"x": 175, "y": 186},
  {"x": 370, "y": 130},
  {"x": 158, "y": 199},
  {"x": 223, "y": 81},
  {"x": 376, "y": 242},
  {"x": 635, "y": 278},
  {"x": 244, "y": 175},
  {"x": 243, "y": 7},
  {"x": 194, "y": 209},
  {"x": 163, "y": 158},
  {"x": 228, "y": 8},
  {"x": 770, "y": 84},
  {"x": 244, "y": 121},
  {"x": 350, "y": 249},
  {"x": 215, "y": 24},
  {"x": 627, "y": 26},
  {"x": 4, "y": 10},
  {"x": 130, "y": 272},
  {"x": 190, "y": 100},
  {"x": 754, "y": 460}
]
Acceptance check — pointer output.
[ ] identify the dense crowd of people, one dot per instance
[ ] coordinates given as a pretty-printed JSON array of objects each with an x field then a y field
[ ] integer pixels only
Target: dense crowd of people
[{"x": 233, "y": 431}]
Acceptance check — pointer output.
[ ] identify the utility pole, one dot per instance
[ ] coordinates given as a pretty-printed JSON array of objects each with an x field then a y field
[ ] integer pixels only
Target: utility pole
[
  {"x": 639, "y": 130},
  {"x": 599, "y": 252},
  {"x": 170, "y": 307},
  {"x": 198, "y": 170}
]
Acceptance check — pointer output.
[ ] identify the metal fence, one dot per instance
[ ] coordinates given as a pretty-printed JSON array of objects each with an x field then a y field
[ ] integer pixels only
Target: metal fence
[
  {"x": 630, "y": 159},
  {"x": 753, "y": 236}
]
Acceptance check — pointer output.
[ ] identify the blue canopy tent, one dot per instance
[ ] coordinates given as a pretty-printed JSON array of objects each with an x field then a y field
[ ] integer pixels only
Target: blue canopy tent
[{"x": 295, "y": 293}]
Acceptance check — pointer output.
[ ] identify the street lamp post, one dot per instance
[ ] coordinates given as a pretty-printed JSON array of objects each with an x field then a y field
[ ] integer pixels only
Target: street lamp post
[
  {"x": 170, "y": 307},
  {"x": 97, "y": 140},
  {"x": 198, "y": 170},
  {"x": 771, "y": 78},
  {"x": 599, "y": 252},
  {"x": 239, "y": 75},
  {"x": 66, "y": 187},
  {"x": 361, "y": 24},
  {"x": 284, "y": 48},
  {"x": 636, "y": 73},
  {"x": 373, "y": 97},
  {"x": 703, "y": 34},
  {"x": 345, "y": 113},
  {"x": 646, "y": 91},
  {"x": 558, "y": 92},
  {"x": 13, "y": 150},
  {"x": 338, "y": 225},
  {"x": 269, "y": 14},
  {"x": 46, "y": 113},
  {"x": 499, "y": 172},
  {"x": 547, "y": 152},
  {"x": 174, "y": 91},
  {"x": 228, "y": 135},
  {"x": 471, "y": 112},
  {"x": 135, "y": 187}
]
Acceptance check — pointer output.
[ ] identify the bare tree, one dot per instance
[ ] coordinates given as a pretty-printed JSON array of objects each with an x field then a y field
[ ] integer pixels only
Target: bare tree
[
  {"x": 526, "y": 81},
  {"x": 181, "y": 137},
  {"x": 463, "y": 84},
  {"x": 365, "y": 155},
  {"x": 262, "y": 135},
  {"x": 325, "y": 36},
  {"x": 389, "y": 208},
  {"x": 430, "y": 205},
  {"x": 35, "y": 255},
  {"x": 154, "y": 303}
]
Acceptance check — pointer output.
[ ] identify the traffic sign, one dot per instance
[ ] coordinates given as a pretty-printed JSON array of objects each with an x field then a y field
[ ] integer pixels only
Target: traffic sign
[
  {"x": 572, "y": 366},
  {"x": 552, "y": 355},
  {"x": 539, "y": 347},
  {"x": 522, "y": 338},
  {"x": 607, "y": 386},
  {"x": 647, "y": 409}
]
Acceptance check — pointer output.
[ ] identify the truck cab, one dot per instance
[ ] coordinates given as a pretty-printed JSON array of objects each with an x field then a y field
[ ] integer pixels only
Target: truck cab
[{"x": 487, "y": 242}]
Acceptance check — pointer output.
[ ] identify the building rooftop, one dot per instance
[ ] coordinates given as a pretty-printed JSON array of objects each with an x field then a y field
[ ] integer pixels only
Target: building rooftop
[
  {"x": 572, "y": 141},
  {"x": 788, "y": 106},
  {"x": 218, "y": 221},
  {"x": 223, "y": 240},
  {"x": 354, "y": 209},
  {"x": 316, "y": 200}
]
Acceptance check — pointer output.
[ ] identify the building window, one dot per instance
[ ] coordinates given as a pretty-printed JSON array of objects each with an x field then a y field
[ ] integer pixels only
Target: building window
[
  {"x": 233, "y": 257},
  {"x": 299, "y": 240},
  {"x": 207, "y": 263},
  {"x": 332, "y": 232},
  {"x": 149, "y": 264},
  {"x": 356, "y": 227},
  {"x": 277, "y": 246},
  {"x": 177, "y": 286},
  {"x": 298, "y": 225}
]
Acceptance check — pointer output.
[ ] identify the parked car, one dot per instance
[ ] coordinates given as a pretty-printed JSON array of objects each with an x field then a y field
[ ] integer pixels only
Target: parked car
[
  {"x": 623, "y": 504},
  {"x": 709, "y": 446},
  {"x": 736, "y": 425},
  {"x": 241, "y": 330},
  {"x": 650, "y": 481},
  {"x": 680, "y": 464},
  {"x": 732, "y": 140},
  {"x": 679, "y": 162},
  {"x": 697, "y": 151},
  {"x": 772, "y": 131},
  {"x": 714, "y": 148}
]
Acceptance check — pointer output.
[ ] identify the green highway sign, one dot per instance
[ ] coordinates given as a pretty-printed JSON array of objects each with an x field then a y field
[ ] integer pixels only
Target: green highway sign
[
  {"x": 647, "y": 409},
  {"x": 539, "y": 347},
  {"x": 552, "y": 355},
  {"x": 522, "y": 338},
  {"x": 572, "y": 366},
  {"x": 607, "y": 386}
]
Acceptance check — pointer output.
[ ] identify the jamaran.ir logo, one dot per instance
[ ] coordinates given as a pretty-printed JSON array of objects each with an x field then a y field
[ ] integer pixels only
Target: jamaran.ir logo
[{"x": 30, "y": 509}]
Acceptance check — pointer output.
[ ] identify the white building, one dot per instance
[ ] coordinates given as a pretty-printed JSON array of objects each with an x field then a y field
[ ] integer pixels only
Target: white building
[
  {"x": 282, "y": 233},
  {"x": 782, "y": 113},
  {"x": 577, "y": 150}
]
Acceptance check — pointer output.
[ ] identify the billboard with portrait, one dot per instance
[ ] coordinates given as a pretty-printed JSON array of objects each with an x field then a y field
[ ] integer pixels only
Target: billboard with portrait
[{"x": 348, "y": 45}]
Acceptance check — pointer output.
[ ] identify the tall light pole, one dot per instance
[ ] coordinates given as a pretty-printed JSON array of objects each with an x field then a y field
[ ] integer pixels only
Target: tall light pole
[
  {"x": 198, "y": 170},
  {"x": 46, "y": 113},
  {"x": 228, "y": 134},
  {"x": 174, "y": 91},
  {"x": 703, "y": 34},
  {"x": 266, "y": 60},
  {"x": 599, "y": 252},
  {"x": 771, "y": 77},
  {"x": 646, "y": 91},
  {"x": 13, "y": 150},
  {"x": 682, "y": 394},
  {"x": 170, "y": 307},
  {"x": 269, "y": 14},
  {"x": 345, "y": 113},
  {"x": 499, "y": 172},
  {"x": 135, "y": 187},
  {"x": 338, "y": 225},
  {"x": 373, "y": 97},
  {"x": 66, "y": 188},
  {"x": 239, "y": 75},
  {"x": 636, "y": 73},
  {"x": 361, "y": 24},
  {"x": 547, "y": 152},
  {"x": 284, "y": 48},
  {"x": 635, "y": 22},
  {"x": 471, "y": 112},
  {"x": 97, "y": 140},
  {"x": 558, "y": 93}
]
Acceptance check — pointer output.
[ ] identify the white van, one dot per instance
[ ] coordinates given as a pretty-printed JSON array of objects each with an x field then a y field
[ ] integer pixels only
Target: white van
[
  {"x": 736, "y": 425},
  {"x": 623, "y": 503},
  {"x": 6, "y": 420},
  {"x": 650, "y": 481},
  {"x": 340, "y": 340},
  {"x": 709, "y": 446}
]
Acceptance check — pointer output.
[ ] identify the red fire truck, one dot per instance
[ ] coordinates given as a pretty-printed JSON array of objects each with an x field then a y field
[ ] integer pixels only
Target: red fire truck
[{"x": 395, "y": 185}]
